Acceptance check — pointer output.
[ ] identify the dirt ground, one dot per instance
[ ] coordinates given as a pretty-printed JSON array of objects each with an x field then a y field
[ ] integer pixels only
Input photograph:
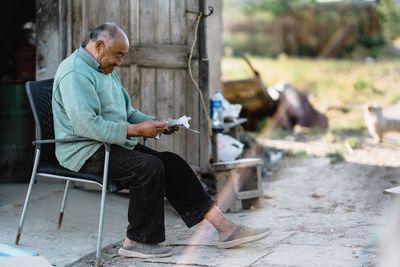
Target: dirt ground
[
  {"x": 345, "y": 185},
  {"x": 324, "y": 202}
]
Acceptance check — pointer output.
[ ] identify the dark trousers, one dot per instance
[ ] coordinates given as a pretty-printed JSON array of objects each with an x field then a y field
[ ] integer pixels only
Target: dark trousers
[{"x": 150, "y": 176}]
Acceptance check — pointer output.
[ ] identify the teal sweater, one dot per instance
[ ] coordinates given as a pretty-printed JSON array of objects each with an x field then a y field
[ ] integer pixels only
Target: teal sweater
[{"x": 88, "y": 103}]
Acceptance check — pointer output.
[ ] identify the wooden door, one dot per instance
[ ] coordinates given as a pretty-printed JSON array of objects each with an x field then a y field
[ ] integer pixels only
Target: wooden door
[{"x": 155, "y": 72}]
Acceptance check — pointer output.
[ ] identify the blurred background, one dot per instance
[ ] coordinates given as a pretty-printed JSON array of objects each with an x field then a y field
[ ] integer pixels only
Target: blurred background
[{"x": 341, "y": 54}]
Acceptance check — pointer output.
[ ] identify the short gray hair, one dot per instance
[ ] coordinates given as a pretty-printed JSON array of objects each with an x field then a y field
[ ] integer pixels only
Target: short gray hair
[{"x": 105, "y": 31}]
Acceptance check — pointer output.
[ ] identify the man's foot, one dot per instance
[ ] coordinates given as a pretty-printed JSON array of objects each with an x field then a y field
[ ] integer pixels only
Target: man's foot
[
  {"x": 242, "y": 235},
  {"x": 144, "y": 251}
]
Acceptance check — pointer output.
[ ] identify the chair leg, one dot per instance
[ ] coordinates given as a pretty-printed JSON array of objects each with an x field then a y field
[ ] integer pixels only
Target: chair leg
[
  {"x": 61, "y": 214},
  {"x": 101, "y": 219},
  {"x": 27, "y": 198}
]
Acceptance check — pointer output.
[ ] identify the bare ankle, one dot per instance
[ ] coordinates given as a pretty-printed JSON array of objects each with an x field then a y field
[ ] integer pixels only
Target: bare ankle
[
  {"x": 227, "y": 228},
  {"x": 220, "y": 222},
  {"x": 128, "y": 242}
]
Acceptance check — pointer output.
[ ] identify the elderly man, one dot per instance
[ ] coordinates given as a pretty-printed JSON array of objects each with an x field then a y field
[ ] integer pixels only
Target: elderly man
[{"x": 89, "y": 101}]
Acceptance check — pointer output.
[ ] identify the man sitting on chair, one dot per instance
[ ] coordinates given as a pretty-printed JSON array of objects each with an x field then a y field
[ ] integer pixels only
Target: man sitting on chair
[{"x": 89, "y": 101}]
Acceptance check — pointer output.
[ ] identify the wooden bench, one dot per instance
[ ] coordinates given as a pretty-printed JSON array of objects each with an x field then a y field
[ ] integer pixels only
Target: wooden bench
[{"x": 238, "y": 184}]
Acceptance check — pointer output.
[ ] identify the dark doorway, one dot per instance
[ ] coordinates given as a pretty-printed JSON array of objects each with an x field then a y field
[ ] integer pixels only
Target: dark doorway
[
  {"x": 17, "y": 65},
  {"x": 17, "y": 41}
]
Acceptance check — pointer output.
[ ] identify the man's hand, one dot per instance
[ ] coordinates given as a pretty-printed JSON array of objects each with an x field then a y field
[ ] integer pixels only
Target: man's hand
[
  {"x": 148, "y": 129},
  {"x": 170, "y": 130}
]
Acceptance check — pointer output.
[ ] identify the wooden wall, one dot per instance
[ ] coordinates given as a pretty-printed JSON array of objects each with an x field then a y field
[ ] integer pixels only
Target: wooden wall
[
  {"x": 214, "y": 45},
  {"x": 155, "y": 72}
]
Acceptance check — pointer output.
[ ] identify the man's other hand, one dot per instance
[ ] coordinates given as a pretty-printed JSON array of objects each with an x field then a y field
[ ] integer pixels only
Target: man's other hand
[
  {"x": 170, "y": 130},
  {"x": 148, "y": 129}
]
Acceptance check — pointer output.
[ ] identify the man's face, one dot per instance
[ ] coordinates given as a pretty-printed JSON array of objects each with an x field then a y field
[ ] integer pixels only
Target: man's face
[{"x": 112, "y": 53}]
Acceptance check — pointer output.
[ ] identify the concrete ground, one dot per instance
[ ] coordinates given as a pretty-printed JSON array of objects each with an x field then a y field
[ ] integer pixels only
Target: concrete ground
[{"x": 322, "y": 214}]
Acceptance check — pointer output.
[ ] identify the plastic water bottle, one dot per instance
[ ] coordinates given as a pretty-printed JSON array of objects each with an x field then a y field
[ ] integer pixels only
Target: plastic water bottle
[
  {"x": 217, "y": 118},
  {"x": 211, "y": 108}
]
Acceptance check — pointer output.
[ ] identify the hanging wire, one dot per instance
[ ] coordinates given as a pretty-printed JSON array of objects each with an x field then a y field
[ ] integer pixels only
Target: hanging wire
[{"x": 196, "y": 84}]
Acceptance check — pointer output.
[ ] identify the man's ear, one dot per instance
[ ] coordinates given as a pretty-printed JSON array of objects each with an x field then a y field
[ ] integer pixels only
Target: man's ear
[{"x": 99, "y": 45}]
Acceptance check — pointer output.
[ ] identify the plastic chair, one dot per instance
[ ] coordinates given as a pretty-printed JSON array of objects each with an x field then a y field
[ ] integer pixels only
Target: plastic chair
[{"x": 46, "y": 165}]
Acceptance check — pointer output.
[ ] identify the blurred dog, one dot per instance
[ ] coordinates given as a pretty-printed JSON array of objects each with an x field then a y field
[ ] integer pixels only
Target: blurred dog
[{"x": 378, "y": 124}]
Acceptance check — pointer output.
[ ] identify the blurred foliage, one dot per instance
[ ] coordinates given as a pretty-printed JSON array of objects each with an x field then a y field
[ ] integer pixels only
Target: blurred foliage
[
  {"x": 276, "y": 7},
  {"x": 305, "y": 28},
  {"x": 390, "y": 19}
]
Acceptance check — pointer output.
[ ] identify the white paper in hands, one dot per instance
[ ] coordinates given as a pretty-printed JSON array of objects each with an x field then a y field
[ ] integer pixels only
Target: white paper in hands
[{"x": 182, "y": 121}]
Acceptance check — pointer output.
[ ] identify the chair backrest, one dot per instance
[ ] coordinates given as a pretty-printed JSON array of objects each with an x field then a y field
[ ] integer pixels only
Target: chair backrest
[{"x": 39, "y": 95}]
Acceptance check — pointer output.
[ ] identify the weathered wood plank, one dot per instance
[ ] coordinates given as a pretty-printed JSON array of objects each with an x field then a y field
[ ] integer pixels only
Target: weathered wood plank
[
  {"x": 148, "y": 95},
  {"x": 180, "y": 96},
  {"x": 162, "y": 22},
  {"x": 110, "y": 11},
  {"x": 160, "y": 56},
  {"x": 120, "y": 13},
  {"x": 84, "y": 23},
  {"x": 205, "y": 128},
  {"x": 124, "y": 75},
  {"x": 192, "y": 109},
  {"x": 165, "y": 105},
  {"x": 148, "y": 88},
  {"x": 93, "y": 15},
  {"x": 86, "y": 16},
  {"x": 193, "y": 148},
  {"x": 191, "y": 19},
  {"x": 69, "y": 28},
  {"x": 178, "y": 22},
  {"x": 49, "y": 52},
  {"x": 76, "y": 24},
  {"x": 134, "y": 86},
  {"x": 134, "y": 29},
  {"x": 147, "y": 21}
]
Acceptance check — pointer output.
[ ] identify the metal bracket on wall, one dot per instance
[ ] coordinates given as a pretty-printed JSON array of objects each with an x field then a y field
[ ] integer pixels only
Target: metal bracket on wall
[{"x": 210, "y": 8}]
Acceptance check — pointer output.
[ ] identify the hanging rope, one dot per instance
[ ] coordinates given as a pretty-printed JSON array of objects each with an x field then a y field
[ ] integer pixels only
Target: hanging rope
[{"x": 196, "y": 84}]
